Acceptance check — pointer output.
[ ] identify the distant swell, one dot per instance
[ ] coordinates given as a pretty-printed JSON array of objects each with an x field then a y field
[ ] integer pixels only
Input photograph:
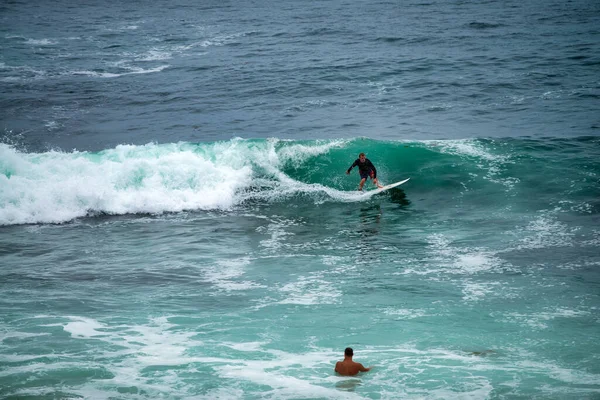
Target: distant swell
[{"x": 483, "y": 25}]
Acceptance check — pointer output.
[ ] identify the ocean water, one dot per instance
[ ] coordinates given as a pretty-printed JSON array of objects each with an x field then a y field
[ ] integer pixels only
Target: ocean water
[{"x": 176, "y": 221}]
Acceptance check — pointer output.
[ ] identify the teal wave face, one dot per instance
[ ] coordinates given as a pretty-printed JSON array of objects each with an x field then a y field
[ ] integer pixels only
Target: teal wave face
[{"x": 528, "y": 174}]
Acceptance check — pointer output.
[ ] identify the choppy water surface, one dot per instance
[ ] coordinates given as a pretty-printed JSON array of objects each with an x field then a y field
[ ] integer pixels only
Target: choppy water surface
[{"x": 176, "y": 221}]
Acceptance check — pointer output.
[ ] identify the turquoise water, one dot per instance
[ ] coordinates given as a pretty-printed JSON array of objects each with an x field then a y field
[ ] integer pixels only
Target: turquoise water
[
  {"x": 176, "y": 221},
  {"x": 478, "y": 279}
]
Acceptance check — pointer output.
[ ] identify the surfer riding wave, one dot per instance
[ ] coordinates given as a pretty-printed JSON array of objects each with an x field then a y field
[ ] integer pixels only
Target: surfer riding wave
[{"x": 366, "y": 169}]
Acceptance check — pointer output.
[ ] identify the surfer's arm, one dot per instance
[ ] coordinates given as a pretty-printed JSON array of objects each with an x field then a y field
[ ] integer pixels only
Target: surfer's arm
[{"x": 354, "y": 164}]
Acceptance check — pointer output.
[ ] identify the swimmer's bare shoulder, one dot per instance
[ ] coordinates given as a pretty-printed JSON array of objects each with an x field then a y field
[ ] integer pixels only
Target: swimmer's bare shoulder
[{"x": 349, "y": 367}]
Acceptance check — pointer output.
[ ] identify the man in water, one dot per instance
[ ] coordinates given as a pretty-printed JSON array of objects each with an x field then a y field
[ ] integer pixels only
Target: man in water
[
  {"x": 366, "y": 169},
  {"x": 349, "y": 367}
]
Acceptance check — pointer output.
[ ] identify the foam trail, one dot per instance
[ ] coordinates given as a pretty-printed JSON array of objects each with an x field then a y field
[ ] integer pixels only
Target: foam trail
[
  {"x": 57, "y": 187},
  {"x": 54, "y": 186}
]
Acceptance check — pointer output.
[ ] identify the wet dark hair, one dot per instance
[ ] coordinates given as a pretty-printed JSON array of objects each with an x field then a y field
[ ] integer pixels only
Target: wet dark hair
[
  {"x": 349, "y": 352},
  {"x": 361, "y": 155}
]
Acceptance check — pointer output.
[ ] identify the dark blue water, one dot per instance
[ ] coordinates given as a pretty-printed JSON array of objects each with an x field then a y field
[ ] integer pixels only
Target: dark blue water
[
  {"x": 97, "y": 75},
  {"x": 176, "y": 221}
]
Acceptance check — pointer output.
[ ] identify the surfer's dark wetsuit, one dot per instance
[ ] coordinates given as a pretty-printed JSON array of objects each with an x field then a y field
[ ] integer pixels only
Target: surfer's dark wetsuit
[{"x": 365, "y": 169}]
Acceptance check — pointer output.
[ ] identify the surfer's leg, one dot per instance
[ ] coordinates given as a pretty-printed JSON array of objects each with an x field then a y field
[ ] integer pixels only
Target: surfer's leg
[
  {"x": 375, "y": 182},
  {"x": 363, "y": 178},
  {"x": 362, "y": 183}
]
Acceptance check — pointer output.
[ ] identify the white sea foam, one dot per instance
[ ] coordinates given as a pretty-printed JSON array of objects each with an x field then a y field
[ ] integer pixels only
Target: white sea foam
[
  {"x": 467, "y": 147},
  {"x": 152, "y": 344},
  {"x": 594, "y": 240},
  {"x": 52, "y": 125},
  {"x": 41, "y": 42},
  {"x": 84, "y": 327},
  {"x": 23, "y": 72},
  {"x": 542, "y": 319},
  {"x": 39, "y": 367},
  {"x": 155, "y": 55},
  {"x": 94, "y": 74},
  {"x": 226, "y": 274},
  {"x": 310, "y": 290},
  {"x": 569, "y": 205},
  {"x": 132, "y": 71},
  {"x": 307, "y": 105},
  {"x": 296, "y": 154},
  {"x": 475, "y": 291},
  {"x": 217, "y": 40},
  {"x": 57, "y": 187},
  {"x": 19, "y": 358},
  {"x": 285, "y": 375},
  {"x": 404, "y": 313},
  {"x": 562, "y": 312},
  {"x": 136, "y": 347},
  {"x": 559, "y": 373},
  {"x": 283, "y": 386},
  {"x": 277, "y": 234},
  {"x": 19, "y": 335},
  {"x": 459, "y": 260},
  {"x": 545, "y": 231},
  {"x": 245, "y": 346}
]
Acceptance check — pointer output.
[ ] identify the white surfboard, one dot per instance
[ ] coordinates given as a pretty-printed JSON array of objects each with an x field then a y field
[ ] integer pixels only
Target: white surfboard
[{"x": 383, "y": 189}]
